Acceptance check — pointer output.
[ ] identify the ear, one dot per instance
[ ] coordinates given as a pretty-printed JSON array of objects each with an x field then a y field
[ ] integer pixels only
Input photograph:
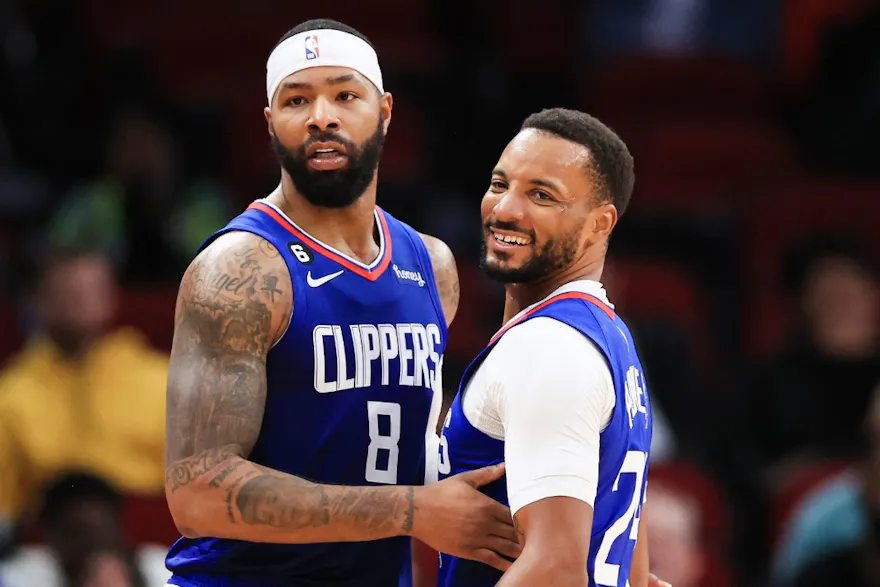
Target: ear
[
  {"x": 267, "y": 112},
  {"x": 603, "y": 219},
  {"x": 386, "y": 101}
]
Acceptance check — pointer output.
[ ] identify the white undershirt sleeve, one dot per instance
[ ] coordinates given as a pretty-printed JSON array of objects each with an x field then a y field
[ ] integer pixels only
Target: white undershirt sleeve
[{"x": 552, "y": 392}]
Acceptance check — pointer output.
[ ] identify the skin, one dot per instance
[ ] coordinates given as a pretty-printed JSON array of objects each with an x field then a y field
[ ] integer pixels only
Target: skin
[{"x": 234, "y": 302}]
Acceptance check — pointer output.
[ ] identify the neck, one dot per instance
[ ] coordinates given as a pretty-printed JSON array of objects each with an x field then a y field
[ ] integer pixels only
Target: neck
[
  {"x": 349, "y": 230},
  {"x": 519, "y": 296}
]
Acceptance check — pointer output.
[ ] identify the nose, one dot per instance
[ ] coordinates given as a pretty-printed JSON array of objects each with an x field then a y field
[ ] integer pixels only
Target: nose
[
  {"x": 322, "y": 116},
  {"x": 508, "y": 207}
]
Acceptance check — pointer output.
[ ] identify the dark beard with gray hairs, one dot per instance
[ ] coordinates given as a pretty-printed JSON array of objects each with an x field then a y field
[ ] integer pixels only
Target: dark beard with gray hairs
[
  {"x": 553, "y": 256},
  {"x": 336, "y": 188}
]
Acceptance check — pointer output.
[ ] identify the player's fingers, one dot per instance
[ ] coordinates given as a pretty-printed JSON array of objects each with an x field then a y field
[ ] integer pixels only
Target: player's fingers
[
  {"x": 483, "y": 476},
  {"x": 506, "y": 531},
  {"x": 498, "y": 511},
  {"x": 653, "y": 581},
  {"x": 504, "y": 546},
  {"x": 490, "y": 558}
]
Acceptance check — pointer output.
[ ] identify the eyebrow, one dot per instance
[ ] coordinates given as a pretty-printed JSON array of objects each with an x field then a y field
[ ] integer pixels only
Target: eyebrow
[
  {"x": 546, "y": 183},
  {"x": 331, "y": 81}
]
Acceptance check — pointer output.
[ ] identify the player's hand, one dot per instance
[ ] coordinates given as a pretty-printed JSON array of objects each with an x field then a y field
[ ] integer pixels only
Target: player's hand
[
  {"x": 452, "y": 516},
  {"x": 653, "y": 581}
]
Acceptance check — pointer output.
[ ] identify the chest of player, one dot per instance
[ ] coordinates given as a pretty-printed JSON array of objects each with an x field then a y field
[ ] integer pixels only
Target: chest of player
[{"x": 350, "y": 332}]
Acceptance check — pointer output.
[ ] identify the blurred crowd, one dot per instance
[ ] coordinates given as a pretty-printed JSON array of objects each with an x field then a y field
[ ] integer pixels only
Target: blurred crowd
[{"x": 747, "y": 265}]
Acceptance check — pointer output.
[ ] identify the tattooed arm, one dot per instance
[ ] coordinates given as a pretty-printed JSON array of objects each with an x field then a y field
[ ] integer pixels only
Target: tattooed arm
[
  {"x": 445, "y": 274},
  {"x": 234, "y": 302}
]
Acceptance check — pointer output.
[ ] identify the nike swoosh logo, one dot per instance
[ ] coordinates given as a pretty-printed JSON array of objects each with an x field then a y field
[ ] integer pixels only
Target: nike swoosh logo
[{"x": 322, "y": 280}]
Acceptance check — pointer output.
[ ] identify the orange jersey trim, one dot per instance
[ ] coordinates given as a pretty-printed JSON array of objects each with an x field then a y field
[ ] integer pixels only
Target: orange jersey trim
[{"x": 572, "y": 295}]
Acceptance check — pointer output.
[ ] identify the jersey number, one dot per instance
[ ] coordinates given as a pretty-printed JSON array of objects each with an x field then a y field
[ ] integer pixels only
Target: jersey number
[
  {"x": 606, "y": 573},
  {"x": 444, "y": 467},
  {"x": 380, "y": 443},
  {"x": 300, "y": 253}
]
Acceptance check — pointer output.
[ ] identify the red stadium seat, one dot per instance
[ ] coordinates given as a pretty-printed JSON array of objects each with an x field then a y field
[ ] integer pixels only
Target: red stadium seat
[
  {"x": 151, "y": 312},
  {"x": 649, "y": 288},
  {"x": 662, "y": 193},
  {"x": 737, "y": 151},
  {"x": 146, "y": 520},
  {"x": 803, "y": 22},
  {"x": 532, "y": 36},
  {"x": 787, "y": 214},
  {"x": 649, "y": 87},
  {"x": 10, "y": 327},
  {"x": 475, "y": 322}
]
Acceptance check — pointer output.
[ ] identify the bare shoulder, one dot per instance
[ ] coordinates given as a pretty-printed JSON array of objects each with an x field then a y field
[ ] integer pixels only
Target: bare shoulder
[
  {"x": 241, "y": 276},
  {"x": 445, "y": 274}
]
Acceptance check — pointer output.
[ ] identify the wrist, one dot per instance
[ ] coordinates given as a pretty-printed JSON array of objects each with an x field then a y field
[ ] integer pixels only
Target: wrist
[{"x": 412, "y": 506}]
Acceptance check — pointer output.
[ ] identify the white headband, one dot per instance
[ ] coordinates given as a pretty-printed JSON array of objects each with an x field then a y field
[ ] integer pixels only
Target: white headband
[{"x": 321, "y": 48}]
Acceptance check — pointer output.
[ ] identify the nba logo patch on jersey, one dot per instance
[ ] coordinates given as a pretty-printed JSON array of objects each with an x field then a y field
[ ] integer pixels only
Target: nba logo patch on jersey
[
  {"x": 312, "y": 51},
  {"x": 408, "y": 277}
]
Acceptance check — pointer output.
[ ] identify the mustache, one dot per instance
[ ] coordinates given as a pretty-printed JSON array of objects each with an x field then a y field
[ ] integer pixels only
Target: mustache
[
  {"x": 328, "y": 137},
  {"x": 512, "y": 227}
]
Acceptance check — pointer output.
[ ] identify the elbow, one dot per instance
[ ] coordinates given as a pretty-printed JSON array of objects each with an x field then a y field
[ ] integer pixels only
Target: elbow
[
  {"x": 186, "y": 518},
  {"x": 196, "y": 494},
  {"x": 190, "y": 508}
]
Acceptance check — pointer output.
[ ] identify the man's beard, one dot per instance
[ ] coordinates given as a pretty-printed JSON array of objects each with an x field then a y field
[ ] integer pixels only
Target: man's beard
[
  {"x": 553, "y": 256},
  {"x": 337, "y": 188}
]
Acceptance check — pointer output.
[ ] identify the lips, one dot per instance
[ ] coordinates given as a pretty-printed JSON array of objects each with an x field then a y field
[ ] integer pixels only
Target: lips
[{"x": 324, "y": 149}]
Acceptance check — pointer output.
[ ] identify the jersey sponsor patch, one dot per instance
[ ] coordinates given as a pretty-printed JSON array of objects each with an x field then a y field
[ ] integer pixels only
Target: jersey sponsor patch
[{"x": 408, "y": 276}]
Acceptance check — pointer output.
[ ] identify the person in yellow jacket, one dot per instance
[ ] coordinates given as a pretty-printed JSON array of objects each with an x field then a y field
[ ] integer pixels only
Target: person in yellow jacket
[{"x": 80, "y": 395}]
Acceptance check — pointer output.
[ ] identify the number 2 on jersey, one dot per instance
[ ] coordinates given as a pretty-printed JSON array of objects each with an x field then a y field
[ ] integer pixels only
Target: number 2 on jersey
[
  {"x": 605, "y": 573},
  {"x": 381, "y": 442}
]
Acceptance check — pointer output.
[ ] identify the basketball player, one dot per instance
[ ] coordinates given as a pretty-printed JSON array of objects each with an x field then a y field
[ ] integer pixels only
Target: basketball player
[
  {"x": 305, "y": 371},
  {"x": 559, "y": 394}
]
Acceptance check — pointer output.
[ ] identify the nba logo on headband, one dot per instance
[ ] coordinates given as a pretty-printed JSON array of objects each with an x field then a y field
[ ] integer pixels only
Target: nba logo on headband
[{"x": 311, "y": 43}]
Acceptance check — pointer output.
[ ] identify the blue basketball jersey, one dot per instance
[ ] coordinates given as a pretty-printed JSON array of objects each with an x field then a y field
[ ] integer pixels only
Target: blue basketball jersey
[
  {"x": 623, "y": 445},
  {"x": 354, "y": 391}
]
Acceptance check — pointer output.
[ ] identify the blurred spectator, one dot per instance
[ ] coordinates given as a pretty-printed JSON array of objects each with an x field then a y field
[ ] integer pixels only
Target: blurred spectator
[
  {"x": 81, "y": 523},
  {"x": 832, "y": 517},
  {"x": 808, "y": 403},
  {"x": 144, "y": 213},
  {"x": 80, "y": 394},
  {"x": 858, "y": 564},
  {"x": 111, "y": 569},
  {"x": 674, "y": 537}
]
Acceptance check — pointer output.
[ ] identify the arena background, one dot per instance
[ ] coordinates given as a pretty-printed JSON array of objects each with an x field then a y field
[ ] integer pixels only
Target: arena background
[{"x": 746, "y": 263}]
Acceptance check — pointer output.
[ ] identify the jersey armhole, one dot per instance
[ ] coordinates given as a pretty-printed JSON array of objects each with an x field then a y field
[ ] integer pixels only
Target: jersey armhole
[
  {"x": 602, "y": 347},
  {"x": 422, "y": 252}
]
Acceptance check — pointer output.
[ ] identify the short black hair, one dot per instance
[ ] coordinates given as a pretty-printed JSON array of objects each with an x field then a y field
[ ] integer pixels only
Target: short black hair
[
  {"x": 324, "y": 23},
  {"x": 75, "y": 487},
  {"x": 612, "y": 162}
]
